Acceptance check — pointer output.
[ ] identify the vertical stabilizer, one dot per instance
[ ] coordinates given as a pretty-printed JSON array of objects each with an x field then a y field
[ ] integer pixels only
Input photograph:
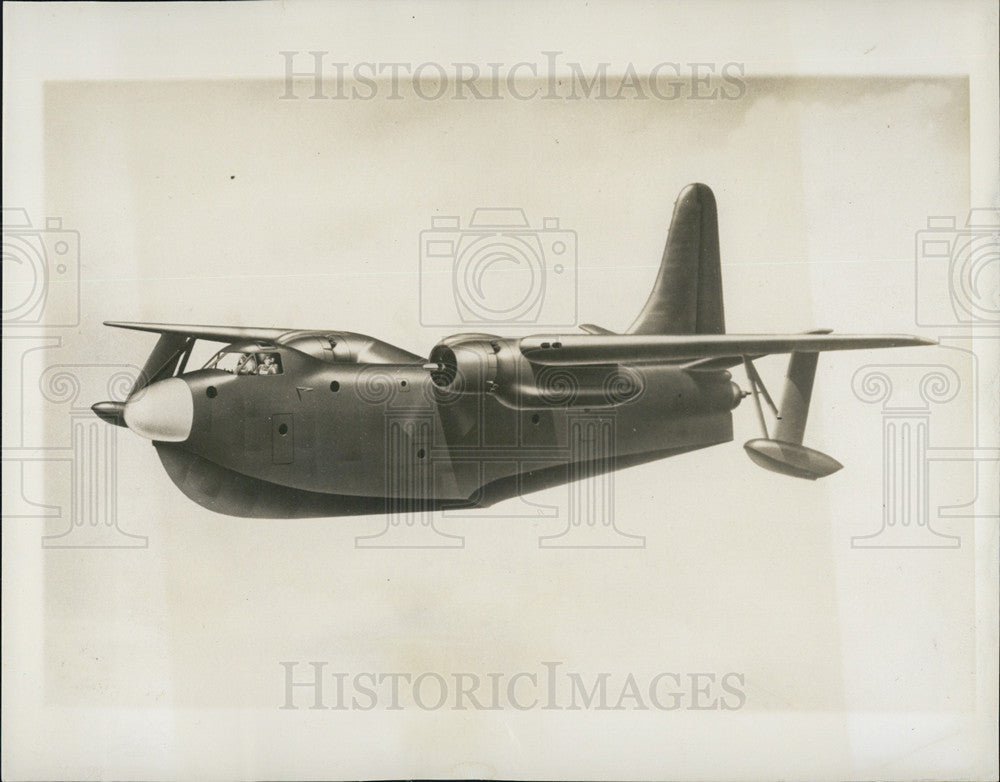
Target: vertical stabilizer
[{"x": 687, "y": 295}]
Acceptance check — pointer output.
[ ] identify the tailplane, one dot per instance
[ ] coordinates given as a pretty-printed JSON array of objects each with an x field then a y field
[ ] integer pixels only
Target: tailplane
[{"x": 687, "y": 295}]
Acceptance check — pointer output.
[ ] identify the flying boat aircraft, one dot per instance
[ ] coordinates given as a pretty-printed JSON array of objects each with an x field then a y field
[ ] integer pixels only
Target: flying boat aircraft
[{"x": 288, "y": 423}]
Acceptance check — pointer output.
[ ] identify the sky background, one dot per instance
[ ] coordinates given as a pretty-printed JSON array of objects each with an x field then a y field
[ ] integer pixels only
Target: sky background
[{"x": 212, "y": 201}]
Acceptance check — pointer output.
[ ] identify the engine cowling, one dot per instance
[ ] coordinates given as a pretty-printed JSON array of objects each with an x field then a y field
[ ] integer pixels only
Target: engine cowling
[
  {"x": 472, "y": 364},
  {"x": 467, "y": 365}
]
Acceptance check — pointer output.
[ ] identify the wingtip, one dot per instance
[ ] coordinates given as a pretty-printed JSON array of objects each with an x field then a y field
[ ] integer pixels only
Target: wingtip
[
  {"x": 123, "y": 324},
  {"x": 911, "y": 341},
  {"x": 908, "y": 341}
]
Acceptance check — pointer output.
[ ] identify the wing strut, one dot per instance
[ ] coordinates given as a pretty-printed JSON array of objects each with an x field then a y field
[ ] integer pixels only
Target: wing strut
[
  {"x": 758, "y": 389},
  {"x": 785, "y": 453}
]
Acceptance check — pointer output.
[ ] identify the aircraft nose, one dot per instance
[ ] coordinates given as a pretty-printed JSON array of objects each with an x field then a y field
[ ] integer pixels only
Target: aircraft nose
[{"x": 162, "y": 411}]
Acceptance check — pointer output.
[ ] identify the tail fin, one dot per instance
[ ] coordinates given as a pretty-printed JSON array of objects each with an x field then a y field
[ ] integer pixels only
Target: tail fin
[{"x": 687, "y": 295}]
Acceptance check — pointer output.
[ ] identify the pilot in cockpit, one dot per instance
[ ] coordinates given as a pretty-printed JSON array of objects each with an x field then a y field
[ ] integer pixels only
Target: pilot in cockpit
[
  {"x": 247, "y": 365},
  {"x": 268, "y": 367}
]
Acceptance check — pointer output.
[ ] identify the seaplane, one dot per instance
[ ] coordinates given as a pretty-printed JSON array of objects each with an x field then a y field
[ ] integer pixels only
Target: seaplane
[{"x": 293, "y": 423}]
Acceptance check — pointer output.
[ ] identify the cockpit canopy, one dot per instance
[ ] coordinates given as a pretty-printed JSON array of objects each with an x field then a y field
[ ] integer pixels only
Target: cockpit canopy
[{"x": 244, "y": 359}]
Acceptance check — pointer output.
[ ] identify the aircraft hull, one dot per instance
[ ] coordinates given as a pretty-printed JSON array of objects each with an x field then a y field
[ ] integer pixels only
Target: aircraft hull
[
  {"x": 390, "y": 441},
  {"x": 230, "y": 493}
]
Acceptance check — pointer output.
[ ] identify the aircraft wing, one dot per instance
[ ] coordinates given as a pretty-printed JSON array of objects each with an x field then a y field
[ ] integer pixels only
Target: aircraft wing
[
  {"x": 572, "y": 349},
  {"x": 213, "y": 333}
]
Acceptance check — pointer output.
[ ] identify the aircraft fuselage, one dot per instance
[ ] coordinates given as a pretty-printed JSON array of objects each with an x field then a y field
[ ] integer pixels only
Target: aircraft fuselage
[{"x": 395, "y": 431}]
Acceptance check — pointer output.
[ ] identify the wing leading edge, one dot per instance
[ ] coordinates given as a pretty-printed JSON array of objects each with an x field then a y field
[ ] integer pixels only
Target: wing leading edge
[
  {"x": 574, "y": 349},
  {"x": 211, "y": 333}
]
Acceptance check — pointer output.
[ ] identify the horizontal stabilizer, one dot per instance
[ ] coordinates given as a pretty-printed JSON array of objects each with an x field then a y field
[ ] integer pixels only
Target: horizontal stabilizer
[
  {"x": 574, "y": 349},
  {"x": 213, "y": 333},
  {"x": 590, "y": 328}
]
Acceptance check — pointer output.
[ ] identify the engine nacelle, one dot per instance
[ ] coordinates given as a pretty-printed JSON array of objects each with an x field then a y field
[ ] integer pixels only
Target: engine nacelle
[{"x": 466, "y": 364}]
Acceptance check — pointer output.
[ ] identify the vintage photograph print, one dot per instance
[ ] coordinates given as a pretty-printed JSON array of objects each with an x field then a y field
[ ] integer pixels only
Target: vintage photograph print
[{"x": 477, "y": 391}]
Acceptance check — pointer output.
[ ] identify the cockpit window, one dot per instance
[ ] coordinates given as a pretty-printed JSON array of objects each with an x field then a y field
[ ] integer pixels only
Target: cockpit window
[
  {"x": 268, "y": 364},
  {"x": 238, "y": 362}
]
